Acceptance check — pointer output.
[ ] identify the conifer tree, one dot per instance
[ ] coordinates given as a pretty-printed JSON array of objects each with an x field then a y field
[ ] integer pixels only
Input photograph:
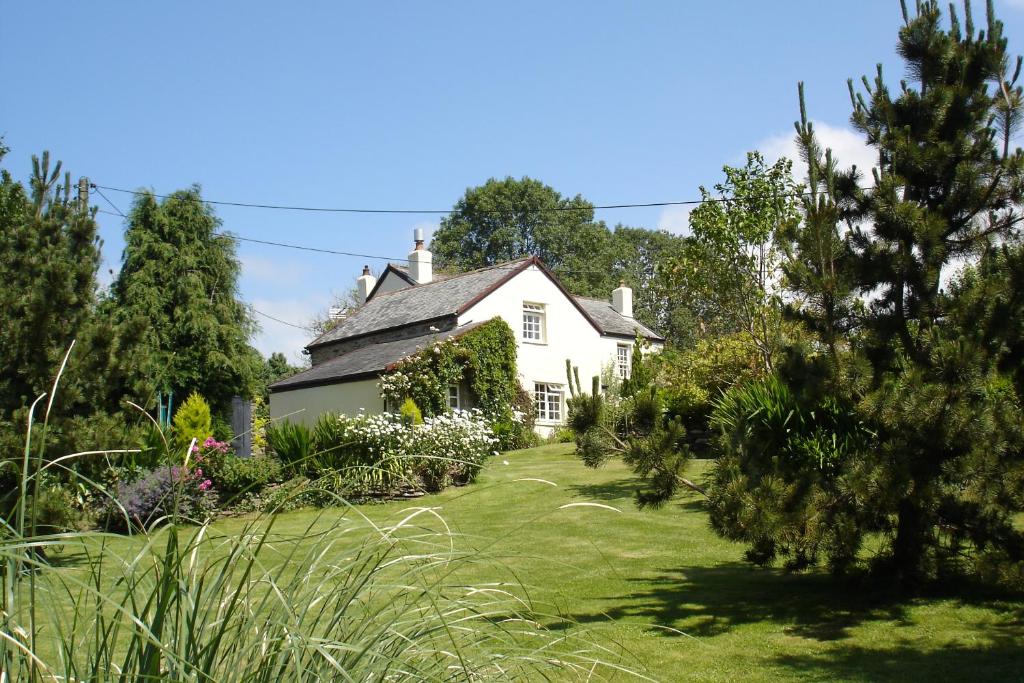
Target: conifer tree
[
  {"x": 947, "y": 185},
  {"x": 179, "y": 278},
  {"x": 49, "y": 254}
]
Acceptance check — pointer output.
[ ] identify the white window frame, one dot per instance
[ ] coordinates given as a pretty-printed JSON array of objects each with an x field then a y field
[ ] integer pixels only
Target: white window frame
[
  {"x": 534, "y": 323},
  {"x": 546, "y": 396},
  {"x": 454, "y": 397},
  {"x": 624, "y": 363}
]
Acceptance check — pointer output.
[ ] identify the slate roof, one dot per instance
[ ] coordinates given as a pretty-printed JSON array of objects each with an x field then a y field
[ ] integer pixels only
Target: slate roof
[
  {"x": 612, "y": 322},
  {"x": 368, "y": 361},
  {"x": 422, "y": 303}
]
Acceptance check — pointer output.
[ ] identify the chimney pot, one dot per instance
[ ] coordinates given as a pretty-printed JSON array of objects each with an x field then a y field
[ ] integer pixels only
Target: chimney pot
[
  {"x": 364, "y": 285},
  {"x": 421, "y": 261}
]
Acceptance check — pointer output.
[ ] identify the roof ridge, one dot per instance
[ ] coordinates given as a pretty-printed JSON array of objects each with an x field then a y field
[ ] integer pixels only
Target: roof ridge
[{"x": 456, "y": 276}]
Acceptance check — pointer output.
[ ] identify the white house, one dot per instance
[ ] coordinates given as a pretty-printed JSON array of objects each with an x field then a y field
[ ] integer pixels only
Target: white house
[{"x": 408, "y": 308}]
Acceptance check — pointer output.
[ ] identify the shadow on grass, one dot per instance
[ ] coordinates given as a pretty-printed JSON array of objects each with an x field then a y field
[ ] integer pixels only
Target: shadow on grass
[
  {"x": 999, "y": 657},
  {"x": 620, "y": 489},
  {"x": 709, "y": 601}
]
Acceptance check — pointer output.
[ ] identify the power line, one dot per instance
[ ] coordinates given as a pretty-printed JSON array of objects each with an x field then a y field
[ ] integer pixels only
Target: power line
[
  {"x": 278, "y": 320},
  {"x": 323, "y": 209},
  {"x": 105, "y": 198},
  {"x": 305, "y": 248}
]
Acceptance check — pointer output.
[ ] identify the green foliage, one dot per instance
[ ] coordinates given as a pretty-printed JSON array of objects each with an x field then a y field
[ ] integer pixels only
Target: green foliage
[
  {"x": 292, "y": 442},
  {"x": 691, "y": 379},
  {"x": 640, "y": 374},
  {"x": 49, "y": 254},
  {"x": 411, "y": 414},
  {"x": 508, "y": 219},
  {"x": 247, "y": 475},
  {"x": 779, "y": 483},
  {"x": 483, "y": 358},
  {"x": 929, "y": 372},
  {"x": 191, "y": 421},
  {"x": 727, "y": 272},
  {"x": 180, "y": 276}
]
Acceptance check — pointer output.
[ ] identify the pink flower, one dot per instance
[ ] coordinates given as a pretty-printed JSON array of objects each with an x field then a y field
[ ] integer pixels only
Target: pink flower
[{"x": 205, "y": 485}]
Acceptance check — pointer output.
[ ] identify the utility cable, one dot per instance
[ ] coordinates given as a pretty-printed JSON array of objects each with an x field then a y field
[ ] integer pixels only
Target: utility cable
[{"x": 323, "y": 209}]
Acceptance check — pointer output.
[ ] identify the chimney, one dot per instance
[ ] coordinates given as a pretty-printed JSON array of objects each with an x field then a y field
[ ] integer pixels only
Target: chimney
[
  {"x": 421, "y": 261},
  {"x": 622, "y": 300},
  {"x": 364, "y": 285}
]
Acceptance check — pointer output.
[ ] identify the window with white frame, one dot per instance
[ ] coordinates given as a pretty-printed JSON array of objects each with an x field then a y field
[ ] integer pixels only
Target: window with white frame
[
  {"x": 533, "y": 322},
  {"x": 622, "y": 360},
  {"x": 547, "y": 399},
  {"x": 454, "y": 398}
]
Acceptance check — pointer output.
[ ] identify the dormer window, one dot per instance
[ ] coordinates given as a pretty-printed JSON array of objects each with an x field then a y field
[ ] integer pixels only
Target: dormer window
[{"x": 533, "y": 323}]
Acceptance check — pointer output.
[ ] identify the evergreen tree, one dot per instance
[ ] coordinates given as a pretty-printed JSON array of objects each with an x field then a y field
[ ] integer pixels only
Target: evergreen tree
[
  {"x": 947, "y": 185},
  {"x": 931, "y": 377},
  {"x": 179, "y": 280},
  {"x": 49, "y": 254}
]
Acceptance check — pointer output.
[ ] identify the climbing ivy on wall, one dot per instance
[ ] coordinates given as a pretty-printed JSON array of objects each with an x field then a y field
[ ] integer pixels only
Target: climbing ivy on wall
[{"x": 483, "y": 358}]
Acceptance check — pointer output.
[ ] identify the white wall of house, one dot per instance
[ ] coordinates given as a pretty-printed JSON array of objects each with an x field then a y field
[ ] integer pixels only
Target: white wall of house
[
  {"x": 307, "y": 404},
  {"x": 390, "y": 283},
  {"x": 566, "y": 334}
]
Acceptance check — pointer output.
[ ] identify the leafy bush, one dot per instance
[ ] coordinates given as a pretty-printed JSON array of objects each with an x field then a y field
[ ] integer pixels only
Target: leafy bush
[
  {"x": 292, "y": 442},
  {"x": 192, "y": 421},
  {"x": 379, "y": 453},
  {"x": 247, "y": 475},
  {"x": 692, "y": 379},
  {"x": 161, "y": 496}
]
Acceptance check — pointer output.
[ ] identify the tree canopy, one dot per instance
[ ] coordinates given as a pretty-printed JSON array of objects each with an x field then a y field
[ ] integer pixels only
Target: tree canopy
[
  {"x": 180, "y": 276},
  {"x": 503, "y": 220}
]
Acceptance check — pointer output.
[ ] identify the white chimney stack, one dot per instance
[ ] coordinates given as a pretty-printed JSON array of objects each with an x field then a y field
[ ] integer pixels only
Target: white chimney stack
[
  {"x": 421, "y": 261},
  {"x": 622, "y": 300},
  {"x": 365, "y": 284}
]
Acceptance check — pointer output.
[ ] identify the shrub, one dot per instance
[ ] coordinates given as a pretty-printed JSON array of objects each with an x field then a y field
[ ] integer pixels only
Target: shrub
[
  {"x": 192, "y": 421},
  {"x": 372, "y": 450},
  {"x": 411, "y": 415},
  {"x": 161, "y": 496},
  {"x": 779, "y": 484},
  {"x": 248, "y": 475},
  {"x": 292, "y": 442},
  {"x": 452, "y": 448}
]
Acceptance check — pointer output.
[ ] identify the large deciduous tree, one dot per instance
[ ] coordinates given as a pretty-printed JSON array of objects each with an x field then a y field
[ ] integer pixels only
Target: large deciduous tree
[
  {"x": 729, "y": 274},
  {"x": 507, "y": 219},
  {"x": 179, "y": 277}
]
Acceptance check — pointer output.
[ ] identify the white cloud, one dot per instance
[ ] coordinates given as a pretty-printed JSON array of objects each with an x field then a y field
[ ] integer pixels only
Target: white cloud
[
  {"x": 675, "y": 219},
  {"x": 276, "y": 336},
  {"x": 847, "y": 147}
]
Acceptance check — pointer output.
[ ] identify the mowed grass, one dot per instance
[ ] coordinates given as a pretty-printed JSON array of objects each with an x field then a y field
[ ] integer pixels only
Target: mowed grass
[{"x": 679, "y": 602}]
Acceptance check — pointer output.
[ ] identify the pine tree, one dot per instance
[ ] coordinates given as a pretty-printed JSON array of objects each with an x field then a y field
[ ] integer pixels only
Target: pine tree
[
  {"x": 49, "y": 255},
  {"x": 947, "y": 185}
]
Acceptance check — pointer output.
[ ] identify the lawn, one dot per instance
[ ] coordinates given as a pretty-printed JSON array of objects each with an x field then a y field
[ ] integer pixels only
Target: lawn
[{"x": 681, "y": 602}]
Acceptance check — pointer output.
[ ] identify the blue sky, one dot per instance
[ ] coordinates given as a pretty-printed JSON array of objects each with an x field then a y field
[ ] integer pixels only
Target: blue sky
[{"x": 405, "y": 105}]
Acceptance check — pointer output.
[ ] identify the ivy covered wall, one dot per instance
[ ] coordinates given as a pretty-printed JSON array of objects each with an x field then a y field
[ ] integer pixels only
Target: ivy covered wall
[{"x": 482, "y": 359}]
